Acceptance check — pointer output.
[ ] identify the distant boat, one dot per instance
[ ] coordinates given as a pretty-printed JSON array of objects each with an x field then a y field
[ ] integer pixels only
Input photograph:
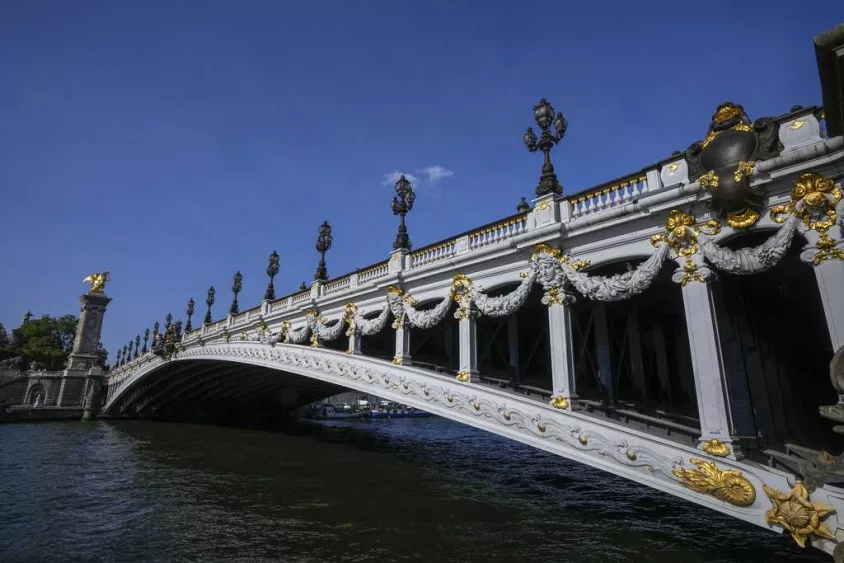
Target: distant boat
[
  {"x": 398, "y": 413},
  {"x": 329, "y": 411}
]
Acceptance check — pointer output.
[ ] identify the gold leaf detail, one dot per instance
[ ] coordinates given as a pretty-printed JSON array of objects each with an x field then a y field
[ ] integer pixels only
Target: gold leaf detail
[
  {"x": 794, "y": 512},
  {"x": 583, "y": 440},
  {"x": 560, "y": 403},
  {"x": 709, "y": 181},
  {"x": 716, "y": 447},
  {"x": 795, "y": 125},
  {"x": 673, "y": 166},
  {"x": 463, "y": 376},
  {"x": 727, "y": 485},
  {"x": 746, "y": 218}
]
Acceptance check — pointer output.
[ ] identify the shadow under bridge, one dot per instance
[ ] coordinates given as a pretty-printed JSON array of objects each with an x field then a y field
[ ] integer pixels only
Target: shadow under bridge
[{"x": 214, "y": 389}]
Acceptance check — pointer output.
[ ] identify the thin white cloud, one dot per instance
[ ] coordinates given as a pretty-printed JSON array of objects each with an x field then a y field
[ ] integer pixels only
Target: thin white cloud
[
  {"x": 393, "y": 177},
  {"x": 435, "y": 173}
]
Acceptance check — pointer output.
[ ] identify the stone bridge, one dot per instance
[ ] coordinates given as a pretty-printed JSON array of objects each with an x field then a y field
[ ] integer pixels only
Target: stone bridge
[{"x": 675, "y": 326}]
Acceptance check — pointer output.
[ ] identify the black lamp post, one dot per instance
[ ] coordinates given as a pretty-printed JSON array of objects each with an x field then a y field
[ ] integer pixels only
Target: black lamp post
[
  {"x": 323, "y": 243},
  {"x": 191, "y": 304},
  {"x": 155, "y": 331},
  {"x": 209, "y": 300},
  {"x": 146, "y": 339},
  {"x": 401, "y": 204},
  {"x": 544, "y": 115},
  {"x": 237, "y": 285},
  {"x": 272, "y": 270},
  {"x": 123, "y": 357},
  {"x": 303, "y": 287},
  {"x": 137, "y": 344},
  {"x": 168, "y": 320}
]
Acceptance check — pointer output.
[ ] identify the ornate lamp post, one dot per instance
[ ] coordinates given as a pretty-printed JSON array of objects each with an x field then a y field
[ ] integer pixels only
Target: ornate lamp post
[
  {"x": 123, "y": 356},
  {"x": 146, "y": 339},
  {"x": 272, "y": 270},
  {"x": 155, "y": 332},
  {"x": 209, "y": 300},
  {"x": 401, "y": 204},
  {"x": 137, "y": 344},
  {"x": 323, "y": 243},
  {"x": 303, "y": 287},
  {"x": 168, "y": 320},
  {"x": 237, "y": 285},
  {"x": 544, "y": 115},
  {"x": 191, "y": 304},
  {"x": 523, "y": 206}
]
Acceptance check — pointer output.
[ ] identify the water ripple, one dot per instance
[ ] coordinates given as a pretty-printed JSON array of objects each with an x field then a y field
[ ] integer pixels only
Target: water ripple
[{"x": 401, "y": 490}]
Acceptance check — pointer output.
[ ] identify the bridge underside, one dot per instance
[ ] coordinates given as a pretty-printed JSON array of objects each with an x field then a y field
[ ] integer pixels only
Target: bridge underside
[{"x": 208, "y": 389}]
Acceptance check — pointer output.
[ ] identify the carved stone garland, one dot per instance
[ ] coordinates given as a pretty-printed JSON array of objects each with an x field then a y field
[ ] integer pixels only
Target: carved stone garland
[{"x": 747, "y": 261}]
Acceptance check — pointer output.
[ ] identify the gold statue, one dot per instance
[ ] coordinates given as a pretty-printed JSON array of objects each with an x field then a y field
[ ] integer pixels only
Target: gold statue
[{"x": 97, "y": 281}]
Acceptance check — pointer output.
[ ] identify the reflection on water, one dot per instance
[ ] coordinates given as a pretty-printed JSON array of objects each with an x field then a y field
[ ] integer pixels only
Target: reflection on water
[{"x": 389, "y": 490}]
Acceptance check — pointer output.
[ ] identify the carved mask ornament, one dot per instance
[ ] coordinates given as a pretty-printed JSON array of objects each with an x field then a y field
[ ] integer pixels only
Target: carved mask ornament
[{"x": 725, "y": 159}]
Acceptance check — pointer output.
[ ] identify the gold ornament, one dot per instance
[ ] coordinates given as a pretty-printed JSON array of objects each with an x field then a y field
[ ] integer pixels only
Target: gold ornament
[
  {"x": 727, "y": 485},
  {"x": 795, "y": 125},
  {"x": 673, "y": 166},
  {"x": 681, "y": 232},
  {"x": 97, "y": 281},
  {"x": 243, "y": 335},
  {"x": 397, "y": 360},
  {"x": 393, "y": 290},
  {"x": 560, "y": 403},
  {"x": 709, "y": 181},
  {"x": 285, "y": 331},
  {"x": 716, "y": 447},
  {"x": 794, "y": 512},
  {"x": 463, "y": 376},
  {"x": 813, "y": 201},
  {"x": 545, "y": 249},
  {"x": 742, "y": 220},
  {"x": 462, "y": 291},
  {"x": 744, "y": 169},
  {"x": 583, "y": 440}
]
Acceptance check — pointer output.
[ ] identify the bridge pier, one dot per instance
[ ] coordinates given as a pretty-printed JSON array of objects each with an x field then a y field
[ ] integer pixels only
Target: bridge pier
[
  {"x": 707, "y": 364},
  {"x": 562, "y": 357},
  {"x": 468, "y": 335},
  {"x": 402, "y": 357}
]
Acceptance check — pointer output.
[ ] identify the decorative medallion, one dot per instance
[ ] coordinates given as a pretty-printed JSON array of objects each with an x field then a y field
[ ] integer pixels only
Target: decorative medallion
[
  {"x": 728, "y": 485},
  {"x": 794, "y": 512},
  {"x": 724, "y": 161},
  {"x": 813, "y": 201},
  {"x": 681, "y": 232},
  {"x": 463, "y": 376},
  {"x": 716, "y": 447}
]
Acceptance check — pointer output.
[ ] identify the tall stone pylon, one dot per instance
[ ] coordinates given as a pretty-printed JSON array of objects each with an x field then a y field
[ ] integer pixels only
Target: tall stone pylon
[{"x": 82, "y": 377}]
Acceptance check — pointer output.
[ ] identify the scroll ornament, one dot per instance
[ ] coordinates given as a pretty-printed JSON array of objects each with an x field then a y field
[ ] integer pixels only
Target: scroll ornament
[{"x": 817, "y": 204}]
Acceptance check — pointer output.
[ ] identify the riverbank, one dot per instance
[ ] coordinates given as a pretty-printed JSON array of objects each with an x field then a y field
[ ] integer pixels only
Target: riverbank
[{"x": 44, "y": 414}]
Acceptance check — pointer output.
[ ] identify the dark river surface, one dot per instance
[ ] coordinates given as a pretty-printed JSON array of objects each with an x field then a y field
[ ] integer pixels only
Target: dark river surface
[{"x": 382, "y": 490}]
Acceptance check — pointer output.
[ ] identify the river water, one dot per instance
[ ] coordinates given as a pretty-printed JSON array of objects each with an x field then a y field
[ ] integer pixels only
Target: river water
[{"x": 381, "y": 490}]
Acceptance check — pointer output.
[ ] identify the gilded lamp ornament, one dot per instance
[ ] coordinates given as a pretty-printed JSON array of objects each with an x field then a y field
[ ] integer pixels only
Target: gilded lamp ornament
[
  {"x": 725, "y": 159},
  {"x": 800, "y": 517},
  {"x": 543, "y": 113},
  {"x": 814, "y": 201}
]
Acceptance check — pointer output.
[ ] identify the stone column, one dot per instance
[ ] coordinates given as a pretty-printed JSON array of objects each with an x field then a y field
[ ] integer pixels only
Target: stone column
[
  {"x": 82, "y": 375},
  {"x": 468, "y": 338},
  {"x": 354, "y": 341},
  {"x": 562, "y": 359},
  {"x": 402, "y": 357},
  {"x": 830, "y": 276},
  {"x": 707, "y": 363}
]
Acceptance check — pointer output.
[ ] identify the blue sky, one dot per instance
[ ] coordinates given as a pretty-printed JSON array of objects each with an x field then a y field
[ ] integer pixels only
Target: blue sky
[{"x": 173, "y": 143}]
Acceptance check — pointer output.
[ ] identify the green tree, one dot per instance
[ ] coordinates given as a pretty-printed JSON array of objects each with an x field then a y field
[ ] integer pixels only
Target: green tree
[
  {"x": 6, "y": 350},
  {"x": 47, "y": 341}
]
